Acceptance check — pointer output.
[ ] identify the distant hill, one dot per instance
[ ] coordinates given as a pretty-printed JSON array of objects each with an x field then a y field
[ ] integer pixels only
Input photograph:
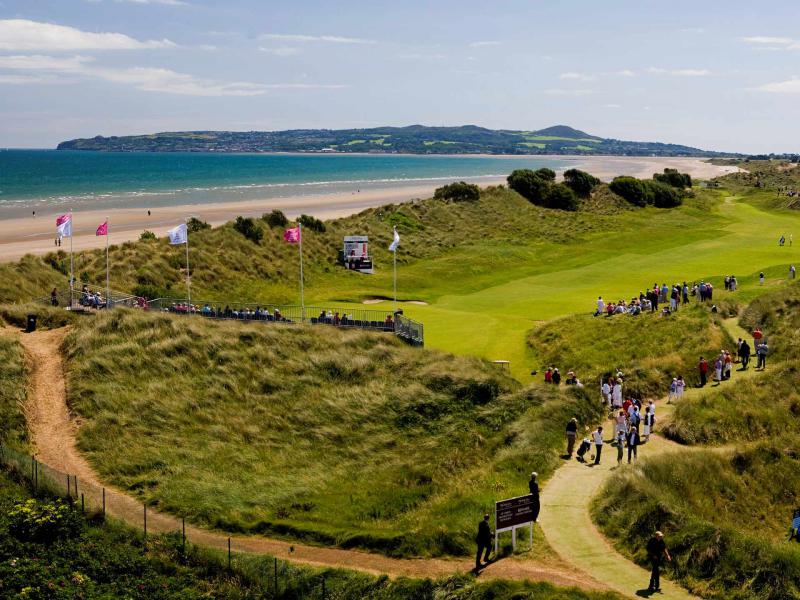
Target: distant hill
[{"x": 414, "y": 139}]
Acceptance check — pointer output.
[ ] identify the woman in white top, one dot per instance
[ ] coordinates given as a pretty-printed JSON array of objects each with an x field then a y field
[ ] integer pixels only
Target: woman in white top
[
  {"x": 681, "y": 386},
  {"x": 617, "y": 394},
  {"x": 605, "y": 390}
]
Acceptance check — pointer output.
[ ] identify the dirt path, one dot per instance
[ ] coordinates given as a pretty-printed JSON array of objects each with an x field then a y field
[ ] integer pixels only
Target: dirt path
[
  {"x": 53, "y": 432},
  {"x": 569, "y": 494}
]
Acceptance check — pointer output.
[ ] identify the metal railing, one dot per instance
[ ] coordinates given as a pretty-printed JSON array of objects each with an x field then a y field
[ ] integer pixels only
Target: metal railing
[{"x": 90, "y": 296}]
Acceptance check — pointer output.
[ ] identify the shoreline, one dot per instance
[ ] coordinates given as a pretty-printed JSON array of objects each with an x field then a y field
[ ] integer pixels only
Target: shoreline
[{"x": 35, "y": 235}]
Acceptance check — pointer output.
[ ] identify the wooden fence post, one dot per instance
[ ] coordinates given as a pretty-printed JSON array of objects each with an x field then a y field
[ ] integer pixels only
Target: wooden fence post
[{"x": 145, "y": 520}]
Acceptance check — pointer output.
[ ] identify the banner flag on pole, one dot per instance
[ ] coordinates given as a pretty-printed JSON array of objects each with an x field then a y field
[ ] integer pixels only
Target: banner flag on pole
[
  {"x": 292, "y": 236},
  {"x": 395, "y": 242},
  {"x": 102, "y": 229},
  {"x": 64, "y": 225},
  {"x": 178, "y": 235}
]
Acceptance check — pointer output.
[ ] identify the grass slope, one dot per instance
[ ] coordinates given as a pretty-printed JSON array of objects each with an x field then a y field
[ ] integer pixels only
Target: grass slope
[
  {"x": 726, "y": 518},
  {"x": 12, "y": 394},
  {"x": 648, "y": 348},
  {"x": 342, "y": 437}
]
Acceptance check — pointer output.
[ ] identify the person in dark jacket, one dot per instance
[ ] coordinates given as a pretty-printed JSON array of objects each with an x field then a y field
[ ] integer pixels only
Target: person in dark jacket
[
  {"x": 484, "y": 541},
  {"x": 633, "y": 443},
  {"x": 572, "y": 433},
  {"x": 556, "y": 376},
  {"x": 744, "y": 354},
  {"x": 533, "y": 486},
  {"x": 657, "y": 552}
]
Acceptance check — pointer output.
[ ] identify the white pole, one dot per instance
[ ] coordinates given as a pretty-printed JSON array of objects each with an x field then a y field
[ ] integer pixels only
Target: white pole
[
  {"x": 302, "y": 293},
  {"x": 108, "y": 285},
  {"x": 188, "y": 277},
  {"x": 71, "y": 263},
  {"x": 394, "y": 278}
]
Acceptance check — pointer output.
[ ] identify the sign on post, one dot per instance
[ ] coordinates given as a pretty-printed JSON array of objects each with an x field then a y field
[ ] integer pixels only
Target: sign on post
[{"x": 511, "y": 514}]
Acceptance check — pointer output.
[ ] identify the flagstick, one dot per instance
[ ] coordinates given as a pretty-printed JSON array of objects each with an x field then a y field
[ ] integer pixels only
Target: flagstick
[
  {"x": 71, "y": 264},
  {"x": 108, "y": 285},
  {"x": 394, "y": 260},
  {"x": 302, "y": 296},
  {"x": 188, "y": 280}
]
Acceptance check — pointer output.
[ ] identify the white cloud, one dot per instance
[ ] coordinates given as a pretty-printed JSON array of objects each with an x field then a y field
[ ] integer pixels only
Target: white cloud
[
  {"x": 37, "y": 62},
  {"x": 612, "y": 106},
  {"x": 774, "y": 43},
  {"x": 25, "y": 35},
  {"x": 680, "y": 72},
  {"x": 564, "y": 92},
  {"x": 577, "y": 77},
  {"x": 149, "y": 79},
  {"x": 418, "y": 56},
  {"x": 165, "y": 2},
  {"x": 331, "y": 39},
  {"x": 790, "y": 86},
  {"x": 280, "y": 50},
  {"x": 484, "y": 44},
  {"x": 626, "y": 73}
]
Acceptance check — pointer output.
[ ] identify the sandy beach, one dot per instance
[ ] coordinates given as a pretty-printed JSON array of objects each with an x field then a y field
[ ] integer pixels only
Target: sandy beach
[{"x": 35, "y": 235}]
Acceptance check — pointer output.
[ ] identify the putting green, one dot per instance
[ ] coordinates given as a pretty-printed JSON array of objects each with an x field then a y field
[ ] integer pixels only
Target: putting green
[{"x": 734, "y": 237}]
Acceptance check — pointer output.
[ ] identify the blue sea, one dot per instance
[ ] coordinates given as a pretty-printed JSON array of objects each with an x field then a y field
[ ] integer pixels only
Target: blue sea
[{"x": 41, "y": 179}]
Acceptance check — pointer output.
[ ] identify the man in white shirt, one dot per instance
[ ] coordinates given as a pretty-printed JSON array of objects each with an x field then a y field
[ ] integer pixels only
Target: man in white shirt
[
  {"x": 597, "y": 438},
  {"x": 601, "y": 307}
]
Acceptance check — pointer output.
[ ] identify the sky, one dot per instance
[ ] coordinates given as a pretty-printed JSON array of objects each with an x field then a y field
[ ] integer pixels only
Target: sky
[{"x": 719, "y": 75}]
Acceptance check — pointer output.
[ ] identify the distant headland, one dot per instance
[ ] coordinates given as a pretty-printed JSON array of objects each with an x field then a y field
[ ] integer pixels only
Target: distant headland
[{"x": 414, "y": 139}]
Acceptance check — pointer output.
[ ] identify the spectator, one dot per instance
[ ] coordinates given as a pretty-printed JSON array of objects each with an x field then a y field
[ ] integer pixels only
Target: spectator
[
  {"x": 702, "y": 367},
  {"x": 744, "y": 354},
  {"x": 633, "y": 443},
  {"x": 620, "y": 446},
  {"x": 556, "y": 376},
  {"x": 572, "y": 433},
  {"x": 597, "y": 438},
  {"x": 533, "y": 487},
  {"x": 484, "y": 541},
  {"x": 656, "y": 552},
  {"x": 761, "y": 353}
]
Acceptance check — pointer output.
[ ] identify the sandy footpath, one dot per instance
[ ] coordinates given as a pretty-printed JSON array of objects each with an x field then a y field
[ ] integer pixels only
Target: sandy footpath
[{"x": 29, "y": 235}]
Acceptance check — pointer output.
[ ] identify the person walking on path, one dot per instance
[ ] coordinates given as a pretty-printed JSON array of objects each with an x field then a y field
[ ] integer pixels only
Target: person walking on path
[
  {"x": 791, "y": 272},
  {"x": 681, "y": 388},
  {"x": 620, "y": 446},
  {"x": 649, "y": 420},
  {"x": 718, "y": 370},
  {"x": 597, "y": 438},
  {"x": 761, "y": 353},
  {"x": 484, "y": 541},
  {"x": 572, "y": 433},
  {"x": 657, "y": 552},
  {"x": 727, "y": 365},
  {"x": 702, "y": 367},
  {"x": 633, "y": 443},
  {"x": 533, "y": 487},
  {"x": 556, "y": 377},
  {"x": 761, "y": 278},
  {"x": 673, "y": 390},
  {"x": 744, "y": 354}
]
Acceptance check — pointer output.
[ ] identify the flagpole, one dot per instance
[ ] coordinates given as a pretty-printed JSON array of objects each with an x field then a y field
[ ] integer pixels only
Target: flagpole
[
  {"x": 394, "y": 261},
  {"x": 302, "y": 296},
  {"x": 188, "y": 279},
  {"x": 108, "y": 285},
  {"x": 71, "y": 264}
]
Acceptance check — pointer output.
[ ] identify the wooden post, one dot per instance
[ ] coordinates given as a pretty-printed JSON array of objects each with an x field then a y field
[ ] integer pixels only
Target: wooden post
[
  {"x": 36, "y": 477},
  {"x": 83, "y": 504},
  {"x": 183, "y": 535},
  {"x": 324, "y": 594},
  {"x": 145, "y": 520},
  {"x": 276, "y": 576},
  {"x": 76, "y": 486},
  {"x": 229, "y": 554},
  {"x": 104, "y": 504},
  {"x": 68, "y": 489}
]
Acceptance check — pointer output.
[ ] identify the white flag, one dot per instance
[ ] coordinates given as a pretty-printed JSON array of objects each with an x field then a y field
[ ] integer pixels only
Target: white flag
[
  {"x": 178, "y": 235},
  {"x": 64, "y": 225},
  {"x": 396, "y": 242}
]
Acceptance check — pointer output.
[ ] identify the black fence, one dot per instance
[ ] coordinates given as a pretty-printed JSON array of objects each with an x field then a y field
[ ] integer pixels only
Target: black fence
[{"x": 351, "y": 317}]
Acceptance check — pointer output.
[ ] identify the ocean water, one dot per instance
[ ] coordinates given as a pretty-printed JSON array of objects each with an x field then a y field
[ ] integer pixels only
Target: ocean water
[{"x": 40, "y": 179}]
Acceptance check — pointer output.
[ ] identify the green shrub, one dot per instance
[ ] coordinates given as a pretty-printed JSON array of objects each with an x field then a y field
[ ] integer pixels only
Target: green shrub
[
  {"x": 147, "y": 235},
  {"x": 46, "y": 522},
  {"x": 194, "y": 225},
  {"x": 312, "y": 223},
  {"x": 580, "y": 182},
  {"x": 248, "y": 228},
  {"x": 674, "y": 179},
  {"x": 276, "y": 218},
  {"x": 538, "y": 188},
  {"x": 631, "y": 189},
  {"x": 459, "y": 191},
  {"x": 662, "y": 195},
  {"x": 561, "y": 197}
]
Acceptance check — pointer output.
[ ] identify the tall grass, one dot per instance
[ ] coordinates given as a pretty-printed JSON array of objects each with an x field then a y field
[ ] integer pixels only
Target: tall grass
[
  {"x": 12, "y": 394},
  {"x": 342, "y": 437},
  {"x": 649, "y": 349},
  {"x": 725, "y": 517}
]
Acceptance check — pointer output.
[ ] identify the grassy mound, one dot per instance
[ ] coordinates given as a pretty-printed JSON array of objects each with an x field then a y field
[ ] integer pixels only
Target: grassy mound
[
  {"x": 777, "y": 313},
  {"x": 343, "y": 437},
  {"x": 649, "y": 349},
  {"x": 12, "y": 394},
  {"x": 767, "y": 406},
  {"x": 726, "y": 519}
]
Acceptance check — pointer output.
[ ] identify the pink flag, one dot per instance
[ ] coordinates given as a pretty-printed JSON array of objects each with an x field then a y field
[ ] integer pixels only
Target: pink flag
[
  {"x": 292, "y": 235},
  {"x": 64, "y": 225},
  {"x": 103, "y": 229}
]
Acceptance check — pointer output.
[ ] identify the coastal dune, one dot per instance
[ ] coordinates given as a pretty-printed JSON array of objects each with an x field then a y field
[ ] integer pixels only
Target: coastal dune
[{"x": 36, "y": 235}]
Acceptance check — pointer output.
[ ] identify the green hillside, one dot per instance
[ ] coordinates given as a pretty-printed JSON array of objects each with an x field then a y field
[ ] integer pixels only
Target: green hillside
[{"x": 414, "y": 139}]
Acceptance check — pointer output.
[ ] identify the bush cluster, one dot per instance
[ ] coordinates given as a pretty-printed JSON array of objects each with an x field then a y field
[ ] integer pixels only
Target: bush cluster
[
  {"x": 673, "y": 178},
  {"x": 644, "y": 192},
  {"x": 580, "y": 182},
  {"x": 276, "y": 218},
  {"x": 539, "y": 188},
  {"x": 459, "y": 191},
  {"x": 248, "y": 228},
  {"x": 147, "y": 235},
  {"x": 312, "y": 223},
  {"x": 194, "y": 225},
  {"x": 46, "y": 522}
]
